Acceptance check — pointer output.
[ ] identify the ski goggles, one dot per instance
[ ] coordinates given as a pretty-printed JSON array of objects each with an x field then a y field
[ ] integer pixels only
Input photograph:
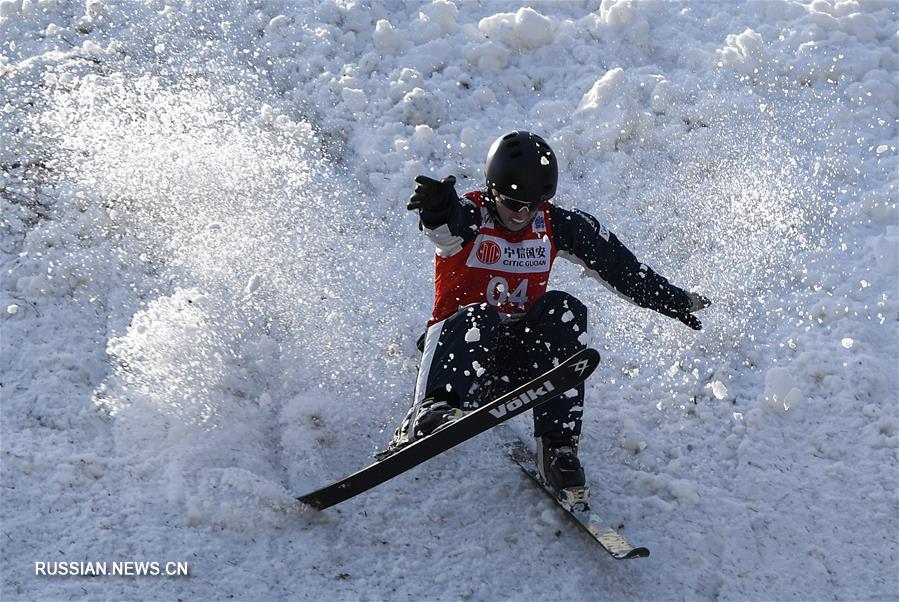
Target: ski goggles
[{"x": 516, "y": 205}]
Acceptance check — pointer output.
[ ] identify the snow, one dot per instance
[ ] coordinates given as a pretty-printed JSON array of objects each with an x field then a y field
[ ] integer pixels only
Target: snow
[
  {"x": 719, "y": 389},
  {"x": 523, "y": 30},
  {"x": 213, "y": 292}
]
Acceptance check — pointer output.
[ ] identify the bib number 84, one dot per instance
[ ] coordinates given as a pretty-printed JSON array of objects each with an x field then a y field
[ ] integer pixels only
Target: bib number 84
[{"x": 498, "y": 292}]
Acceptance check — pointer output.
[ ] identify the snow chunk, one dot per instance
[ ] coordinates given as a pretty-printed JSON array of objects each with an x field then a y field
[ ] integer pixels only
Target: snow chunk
[
  {"x": 612, "y": 111},
  {"x": 883, "y": 248},
  {"x": 744, "y": 53},
  {"x": 550, "y": 517},
  {"x": 473, "y": 335},
  {"x": 385, "y": 37},
  {"x": 684, "y": 490},
  {"x": 489, "y": 56},
  {"x": 871, "y": 411},
  {"x": 633, "y": 442},
  {"x": 781, "y": 390},
  {"x": 603, "y": 92},
  {"x": 567, "y": 317},
  {"x": 524, "y": 30},
  {"x": 276, "y": 26},
  {"x": 354, "y": 100},
  {"x": 847, "y": 343},
  {"x": 96, "y": 9},
  {"x": 443, "y": 13},
  {"x": 616, "y": 12},
  {"x": 9, "y": 9},
  {"x": 12, "y": 309},
  {"x": 718, "y": 389},
  {"x": 253, "y": 284},
  {"x": 662, "y": 97},
  {"x": 422, "y": 107}
]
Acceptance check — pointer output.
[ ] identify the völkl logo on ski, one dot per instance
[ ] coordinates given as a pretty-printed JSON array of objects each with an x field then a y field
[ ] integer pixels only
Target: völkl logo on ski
[
  {"x": 527, "y": 396},
  {"x": 581, "y": 366}
]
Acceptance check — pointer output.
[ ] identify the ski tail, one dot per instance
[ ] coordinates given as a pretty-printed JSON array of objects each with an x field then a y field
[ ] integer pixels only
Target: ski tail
[{"x": 608, "y": 538}]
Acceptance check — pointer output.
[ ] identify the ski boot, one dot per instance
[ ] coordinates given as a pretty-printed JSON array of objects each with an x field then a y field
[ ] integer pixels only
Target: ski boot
[
  {"x": 561, "y": 470},
  {"x": 426, "y": 418},
  {"x": 433, "y": 415}
]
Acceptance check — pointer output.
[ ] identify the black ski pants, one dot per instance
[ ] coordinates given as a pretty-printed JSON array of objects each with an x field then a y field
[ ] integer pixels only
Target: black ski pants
[{"x": 474, "y": 356}]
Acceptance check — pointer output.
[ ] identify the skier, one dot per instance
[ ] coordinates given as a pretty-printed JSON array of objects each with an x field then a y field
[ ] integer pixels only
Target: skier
[{"x": 494, "y": 324}]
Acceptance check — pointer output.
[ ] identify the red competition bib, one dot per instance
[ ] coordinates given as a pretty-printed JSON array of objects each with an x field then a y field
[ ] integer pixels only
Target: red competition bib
[{"x": 507, "y": 270}]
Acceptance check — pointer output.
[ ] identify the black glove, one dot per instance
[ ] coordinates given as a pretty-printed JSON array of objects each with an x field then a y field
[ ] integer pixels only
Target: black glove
[
  {"x": 431, "y": 195},
  {"x": 697, "y": 302}
]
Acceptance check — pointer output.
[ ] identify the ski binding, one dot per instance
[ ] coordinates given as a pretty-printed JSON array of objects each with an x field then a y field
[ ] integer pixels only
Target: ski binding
[{"x": 574, "y": 498}]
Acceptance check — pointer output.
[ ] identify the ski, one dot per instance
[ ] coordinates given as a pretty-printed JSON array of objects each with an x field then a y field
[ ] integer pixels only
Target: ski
[
  {"x": 608, "y": 538},
  {"x": 567, "y": 375}
]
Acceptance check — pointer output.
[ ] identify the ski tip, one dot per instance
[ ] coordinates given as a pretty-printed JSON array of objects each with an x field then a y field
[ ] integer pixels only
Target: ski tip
[
  {"x": 636, "y": 553},
  {"x": 584, "y": 362}
]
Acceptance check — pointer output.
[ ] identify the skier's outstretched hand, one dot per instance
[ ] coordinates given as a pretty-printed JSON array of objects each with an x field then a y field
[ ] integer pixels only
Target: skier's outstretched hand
[
  {"x": 431, "y": 195},
  {"x": 697, "y": 302}
]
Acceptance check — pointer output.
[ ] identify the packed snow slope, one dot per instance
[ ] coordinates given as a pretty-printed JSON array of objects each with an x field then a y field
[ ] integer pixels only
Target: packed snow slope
[{"x": 211, "y": 291}]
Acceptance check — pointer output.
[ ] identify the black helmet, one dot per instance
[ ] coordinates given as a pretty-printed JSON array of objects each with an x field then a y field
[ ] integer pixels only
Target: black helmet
[{"x": 521, "y": 165}]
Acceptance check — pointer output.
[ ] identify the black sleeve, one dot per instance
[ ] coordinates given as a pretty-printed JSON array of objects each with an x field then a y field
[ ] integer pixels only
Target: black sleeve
[
  {"x": 580, "y": 238},
  {"x": 451, "y": 228}
]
